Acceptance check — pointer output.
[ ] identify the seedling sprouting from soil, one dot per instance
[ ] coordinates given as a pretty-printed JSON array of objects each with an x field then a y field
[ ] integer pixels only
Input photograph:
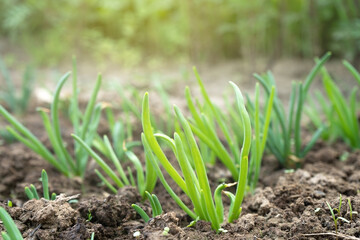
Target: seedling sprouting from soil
[
  {"x": 85, "y": 126},
  {"x": 207, "y": 117},
  {"x": 121, "y": 136},
  {"x": 285, "y": 128},
  {"x": 203, "y": 124},
  {"x": 344, "y": 117},
  {"x": 12, "y": 232},
  {"x": 145, "y": 180},
  {"x": 195, "y": 183},
  {"x": 89, "y": 216},
  {"x": 131, "y": 106},
  {"x": 351, "y": 212},
  {"x": 155, "y": 207},
  {"x": 17, "y": 104},
  {"x": 261, "y": 126},
  {"x": 31, "y": 191},
  {"x": 336, "y": 217}
]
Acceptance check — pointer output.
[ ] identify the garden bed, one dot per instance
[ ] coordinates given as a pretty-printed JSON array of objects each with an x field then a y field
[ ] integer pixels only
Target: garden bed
[{"x": 286, "y": 204}]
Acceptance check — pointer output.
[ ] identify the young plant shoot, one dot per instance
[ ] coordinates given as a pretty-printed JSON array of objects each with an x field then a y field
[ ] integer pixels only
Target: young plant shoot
[
  {"x": 121, "y": 134},
  {"x": 261, "y": 126},
  {"x": 345, "y": 111},
  {"x": 285, "y": 140},
  {"x": 146, "y": 180},
  {"x": 155, "y": 206},
  {"x": 31, "y": 191},
  {"x": 337, "y": 216},
  {"x": 84, "y": 125},
  {"x": 17, "y": 104},
  {"x": 205, "y": 119},
  {"x": 194, "y": 183},
  {"x": 332, "y": 131}
]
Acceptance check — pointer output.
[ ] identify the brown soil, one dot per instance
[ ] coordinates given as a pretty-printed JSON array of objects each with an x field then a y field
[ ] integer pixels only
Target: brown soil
[{"x": 285, "y": 205}]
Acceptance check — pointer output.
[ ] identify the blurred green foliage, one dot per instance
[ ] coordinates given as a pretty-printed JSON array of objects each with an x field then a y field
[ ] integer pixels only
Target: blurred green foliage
[{"x": 131, "y": 31}]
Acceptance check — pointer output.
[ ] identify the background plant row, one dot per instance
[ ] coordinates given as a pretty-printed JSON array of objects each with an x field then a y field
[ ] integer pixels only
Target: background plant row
[{"x": 131, "y": 31}]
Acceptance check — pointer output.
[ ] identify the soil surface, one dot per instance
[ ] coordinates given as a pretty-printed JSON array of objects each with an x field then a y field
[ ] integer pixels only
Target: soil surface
[{"x": 286, "y": 204}]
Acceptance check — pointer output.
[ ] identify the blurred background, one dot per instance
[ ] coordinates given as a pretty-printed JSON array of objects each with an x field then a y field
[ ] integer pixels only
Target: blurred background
[
  {"x": 150, "y": 33},
  {"x": 140, "y": 40}
]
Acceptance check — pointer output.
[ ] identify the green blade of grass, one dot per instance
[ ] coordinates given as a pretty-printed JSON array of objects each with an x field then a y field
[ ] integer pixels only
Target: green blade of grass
[
  {"x": 90, "y": 107},
  {"x": 218, "y": 200},
  {"x": 26, "y": 89},
  {"x": 34, "y": 192},
  {"x": 116, "y": 161},
  {"x": 11, "y": 98},
  {"x": 139, "y": 172},
  {"x": 81, "y": 155},
  {"x": 45, "y": 183},
  {"x": 53, "y": 196},
  {"x": 131, "y": 176},
  {"x": 340, "y": 106},
  {"x": 157, "y": 204},
  {"x": 5, "y": 236},
  {"x": 194, "y": 193},
  {"x": 169, "y": 141},
  {"x": 20, "y": 138},
  {"x": 141, "y": 212},
  {"x": 151, "y": 139},
  {"x": 297, "y": 127},
  {"x": 53, "y": 140},
  {"x": 10, "y": 226},
  {"x": 309, "y": 79},
  {"x": 312, "y": 141},
  {"x": 161, "y": 177},
  {"x": 56, "y": 124},
  {"x": 99, "y": 161},
  {"x": 200, "y": 170},
  {"x": 352, "y": 70},
  {"x": 39, "y": 147},
  {"x": 151, "y": 177},
  {"x": 217, "y": 116},
  {"x": 106, "y": 182},
  {"x": 152, "y": 203},
  {"x": 240, "y": 189},
  {"x": 28, "y": 193}
]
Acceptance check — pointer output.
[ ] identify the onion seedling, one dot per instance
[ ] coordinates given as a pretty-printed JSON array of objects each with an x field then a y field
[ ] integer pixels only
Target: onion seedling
[
  {"x": 285, "y": 140},
  {"x": 203, "y": 124},
  {"x": 351, "y": 212},
  {"x": 336, "y": 217},
  {"x": 31, "y": 191},
  {"x": 167, "y": 123},
  {"x": 345, "y": 111},
  {"x": 194, "y": 183},
  {"x": 205, "y": 119},
  {"x": 17, "y": 104},
  {"x": 261, "y": 126},
  {"x": 12, "y": 232},
  {"x": 145, "y": 180},
  {"x": 121, "y": 134},
  {"x": 84, "y": 125},
  {"x": 155, "y": 207},
  {"x": 131, "y": 105},
  {"x": 332, "y": 130}
]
